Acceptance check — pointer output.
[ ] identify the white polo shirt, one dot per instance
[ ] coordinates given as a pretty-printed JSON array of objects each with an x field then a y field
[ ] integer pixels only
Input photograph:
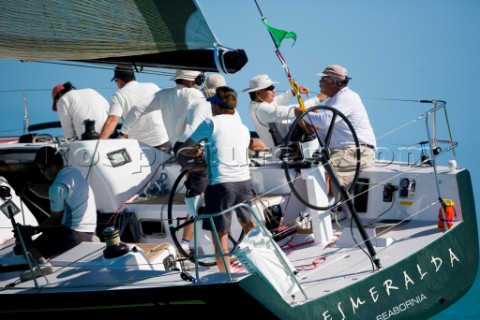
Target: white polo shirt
[
  {"x": 149, "y": 129},
  {"x": 72, "y": 194},
  {"x": 349, "y": 103},
  {"x": 75, "y": 106},
  {"x": 173, "y": 103}
]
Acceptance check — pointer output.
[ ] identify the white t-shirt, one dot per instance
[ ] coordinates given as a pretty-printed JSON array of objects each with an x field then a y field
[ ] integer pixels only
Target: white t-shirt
[
  {"x": 263, "y": 113},
  {"x": 349, "y": 103},
  {"x": 149, "y": 129},
  {"x": 72, "y": 194},
  {"x": 196, "y": 113},
  {"x": 75, "y": 106},
  {"x": 226, "y": 148},
  {"x": 173, "y": 103}
]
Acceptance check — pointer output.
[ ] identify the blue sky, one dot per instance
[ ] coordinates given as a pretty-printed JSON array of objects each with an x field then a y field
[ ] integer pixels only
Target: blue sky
[{"x": 394, "y": 50}]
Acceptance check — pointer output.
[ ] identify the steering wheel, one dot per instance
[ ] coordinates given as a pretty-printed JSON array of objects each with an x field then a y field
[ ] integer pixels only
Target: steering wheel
[
  {"x": 321, "y": 157},
  {"x": 178, "y": 223}
]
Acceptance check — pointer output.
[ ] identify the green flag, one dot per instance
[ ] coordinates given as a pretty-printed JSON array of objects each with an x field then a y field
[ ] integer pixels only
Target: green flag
[{"x": 278, "y": 35}]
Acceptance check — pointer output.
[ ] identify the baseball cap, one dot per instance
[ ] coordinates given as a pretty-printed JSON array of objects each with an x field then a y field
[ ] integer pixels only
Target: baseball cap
[
  {"x": 55, "y": 91},
  {"x": 335, "y": 71},
  {"x": 123, "y": 71}
]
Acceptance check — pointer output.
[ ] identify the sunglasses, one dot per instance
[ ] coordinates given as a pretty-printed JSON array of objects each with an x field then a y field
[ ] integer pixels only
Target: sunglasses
[
  {"x": 325, "y": 78},
  {"x": 271, "y": 88}
]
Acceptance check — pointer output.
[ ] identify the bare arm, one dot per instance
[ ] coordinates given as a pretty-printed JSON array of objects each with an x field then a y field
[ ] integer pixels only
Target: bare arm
[
  {"x": 322, "y": 96},
  {"x": 257, "y": 145},
  {"x": 301, "y": 90},
  {"x": 109, "y": 126}
]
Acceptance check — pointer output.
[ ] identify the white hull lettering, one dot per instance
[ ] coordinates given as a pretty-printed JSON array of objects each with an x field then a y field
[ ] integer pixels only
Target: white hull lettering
[
  {"x": 341, "y": 311},
  {"x": 420, "y": 272},
  {"x": 437, "y": 262},
  {"x": 378, "y": 295},
  {"x": 373, "y": 294},
  {"x": 356, "y": 305},
  {"x": 407, "y": 279},
  {"x": 388, "y": 286},
  {"x": 326, "y": 315},
  {"x": 453, "y": 257},
  {"x": 401, "y": 307}
]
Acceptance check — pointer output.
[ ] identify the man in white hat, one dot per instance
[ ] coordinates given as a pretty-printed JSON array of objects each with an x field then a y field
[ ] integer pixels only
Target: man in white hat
[
  {"x": 334, "y": 84},
  {"x": 172, "y": 102},
  {"x": 266, "y": 108},
  {"x": 149, "y": 129}
]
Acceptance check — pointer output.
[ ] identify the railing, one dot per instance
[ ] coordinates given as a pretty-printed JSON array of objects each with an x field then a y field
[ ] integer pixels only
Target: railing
[
  {"x": 435, "y": 151},
  {"x": 264, "y": 231}
]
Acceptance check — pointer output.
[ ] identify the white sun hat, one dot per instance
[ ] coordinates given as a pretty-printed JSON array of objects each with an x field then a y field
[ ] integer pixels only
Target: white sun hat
[
  {"x": 259, "y": 82},
  {"x": 213, "y": 81},
  {"x": 185, "y": 75}
]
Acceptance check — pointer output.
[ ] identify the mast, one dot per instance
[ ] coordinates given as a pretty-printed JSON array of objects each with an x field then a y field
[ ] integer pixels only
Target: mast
[{"x": 26, "y": 119}]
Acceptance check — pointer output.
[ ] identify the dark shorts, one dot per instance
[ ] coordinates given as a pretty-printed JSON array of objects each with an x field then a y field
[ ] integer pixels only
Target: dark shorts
[
  {"x": 59, "y": 239},
  {"x": 196, "y": 183},
  {"x": 220, "y": 197},
  {"x": 197, "y": 180}
]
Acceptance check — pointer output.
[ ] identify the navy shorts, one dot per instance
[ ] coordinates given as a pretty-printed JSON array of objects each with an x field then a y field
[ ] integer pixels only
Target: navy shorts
[
  {"x": 197, "y": 180},
  {"x": 220, "y": 197},
  {"x": 59, "y": 239}
]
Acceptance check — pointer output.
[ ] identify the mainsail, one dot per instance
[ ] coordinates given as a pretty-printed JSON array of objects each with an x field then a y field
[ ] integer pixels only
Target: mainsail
[{"x": 154, "y": 33}]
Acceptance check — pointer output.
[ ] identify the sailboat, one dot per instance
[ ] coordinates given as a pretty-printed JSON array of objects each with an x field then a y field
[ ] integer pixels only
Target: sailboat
[{"x": 407, "y": 249}]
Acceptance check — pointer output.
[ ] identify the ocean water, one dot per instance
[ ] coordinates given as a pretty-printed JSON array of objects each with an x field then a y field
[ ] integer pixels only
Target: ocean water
[{"x": 468, "y": 307}]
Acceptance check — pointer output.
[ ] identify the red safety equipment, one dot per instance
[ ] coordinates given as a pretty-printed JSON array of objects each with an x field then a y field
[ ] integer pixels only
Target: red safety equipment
[{"x": 448, "y": 207}]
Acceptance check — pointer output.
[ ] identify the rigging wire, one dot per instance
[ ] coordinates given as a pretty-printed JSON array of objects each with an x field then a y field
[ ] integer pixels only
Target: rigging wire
[{"x": 105, "y": 67}]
